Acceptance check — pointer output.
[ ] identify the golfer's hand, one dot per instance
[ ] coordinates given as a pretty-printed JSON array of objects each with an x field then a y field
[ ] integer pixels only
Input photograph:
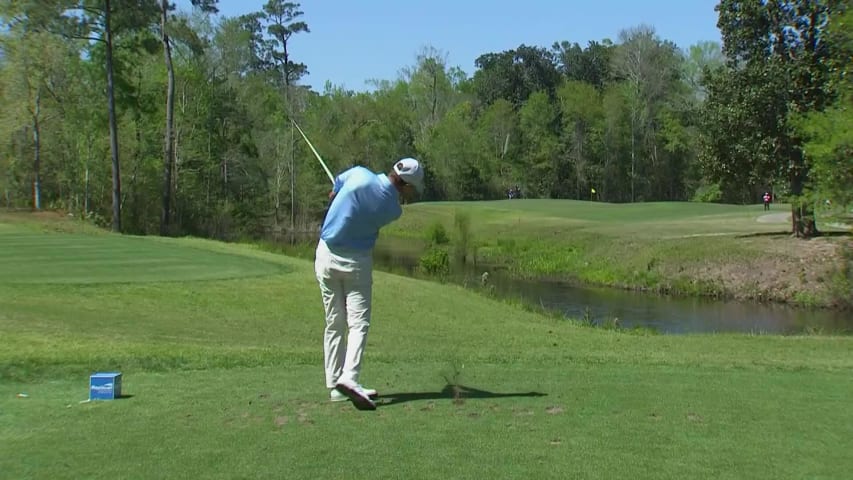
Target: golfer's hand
[{"x": 331, "y": 195}]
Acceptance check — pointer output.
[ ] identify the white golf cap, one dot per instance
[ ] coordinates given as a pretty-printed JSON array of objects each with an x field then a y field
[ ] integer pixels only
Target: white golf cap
[{"x": 410, "y": 171}]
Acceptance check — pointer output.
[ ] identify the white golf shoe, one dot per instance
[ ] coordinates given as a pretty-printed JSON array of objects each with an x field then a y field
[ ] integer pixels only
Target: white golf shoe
[
  {"x": 336, "y": 396},
  {"x": 360, "y": 396}
]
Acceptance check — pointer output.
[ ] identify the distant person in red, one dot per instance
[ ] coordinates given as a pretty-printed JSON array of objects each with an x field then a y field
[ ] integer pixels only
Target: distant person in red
[{"x": 767, "y": 200}]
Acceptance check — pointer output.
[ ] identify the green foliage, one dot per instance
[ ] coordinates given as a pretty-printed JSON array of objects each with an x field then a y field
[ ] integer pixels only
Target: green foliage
[
  {"x": 708, "y": 193},
  {"x": 436, "y": 234},
  {"x": 653, "y": 83},
  {"x": 498, "y": 132},
  {"x": 582, "y": 114},
  {"x": 556, "y": 122},
  {"x": 829, "y": 133},
  {"x": 538, "y": 120},
  {"x": 281, "y": 22},
  {"x": 456, "y": 162},
  {"x": 435, "y": 262},
  {"x": 590, "y": 65},
  {"x": 748, "y": 139},
  {"x": 830, "y": 149},
  {"x": 702, "y": 57},
  {"x": 514, "y": 75},
  {"x": 431, "y": 91}
]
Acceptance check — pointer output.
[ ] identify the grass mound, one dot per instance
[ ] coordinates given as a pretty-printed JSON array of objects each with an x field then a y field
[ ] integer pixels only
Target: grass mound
[{"x": 39, "y": 258}]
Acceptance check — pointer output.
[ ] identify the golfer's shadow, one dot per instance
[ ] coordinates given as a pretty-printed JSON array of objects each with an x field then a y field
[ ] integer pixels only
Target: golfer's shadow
[{"x": 449, "y": 392}]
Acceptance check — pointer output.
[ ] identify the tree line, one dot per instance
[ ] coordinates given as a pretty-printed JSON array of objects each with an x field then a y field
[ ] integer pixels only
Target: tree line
[{"x": 153, "y": 120}]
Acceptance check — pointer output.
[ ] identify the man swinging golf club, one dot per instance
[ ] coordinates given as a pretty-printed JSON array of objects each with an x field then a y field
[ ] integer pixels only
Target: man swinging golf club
[{"x": 362, "y": 202}]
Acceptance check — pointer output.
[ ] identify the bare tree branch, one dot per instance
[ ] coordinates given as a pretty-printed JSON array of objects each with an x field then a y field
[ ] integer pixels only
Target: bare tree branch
[{"x": 83, "y": 37}]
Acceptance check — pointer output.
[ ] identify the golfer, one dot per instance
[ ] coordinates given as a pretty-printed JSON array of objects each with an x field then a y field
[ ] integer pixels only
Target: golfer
[{"x": 362, "y": 202}]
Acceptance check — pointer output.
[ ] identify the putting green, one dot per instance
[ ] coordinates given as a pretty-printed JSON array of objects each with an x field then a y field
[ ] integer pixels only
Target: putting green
[{"x": 35, "y": 257}]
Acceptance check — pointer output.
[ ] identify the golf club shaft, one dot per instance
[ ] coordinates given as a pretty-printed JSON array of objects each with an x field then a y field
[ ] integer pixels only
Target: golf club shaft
[{"x": 329, "y": 173}]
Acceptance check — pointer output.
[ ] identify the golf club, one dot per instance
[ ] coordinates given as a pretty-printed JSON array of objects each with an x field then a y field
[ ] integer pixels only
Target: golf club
[{"x": 328, "y": 172}]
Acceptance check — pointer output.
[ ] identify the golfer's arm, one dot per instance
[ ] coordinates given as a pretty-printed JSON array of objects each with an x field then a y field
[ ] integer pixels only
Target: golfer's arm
[{"x": 339, "y": 182}]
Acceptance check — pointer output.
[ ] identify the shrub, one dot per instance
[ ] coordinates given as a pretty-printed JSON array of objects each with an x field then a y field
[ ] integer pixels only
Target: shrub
[
  {"x": 708, "y": 193},
  {"x": 436, "y": 261},
  {"x": 436, "y": 234}
]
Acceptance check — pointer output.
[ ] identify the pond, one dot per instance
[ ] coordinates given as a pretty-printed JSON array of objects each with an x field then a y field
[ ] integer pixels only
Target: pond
[
  {"x": 628, "y": 309},
  {"x": 672, "y": 315}
]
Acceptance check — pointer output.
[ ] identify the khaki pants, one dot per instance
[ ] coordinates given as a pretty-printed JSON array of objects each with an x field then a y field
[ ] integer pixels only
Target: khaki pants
[{"x": 346, "y": 283}]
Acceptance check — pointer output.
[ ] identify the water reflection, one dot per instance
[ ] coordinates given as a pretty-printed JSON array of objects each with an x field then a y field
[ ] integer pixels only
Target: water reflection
[
  {"x": 673, "y": 315},
  {"x": 603, "y": 306}
]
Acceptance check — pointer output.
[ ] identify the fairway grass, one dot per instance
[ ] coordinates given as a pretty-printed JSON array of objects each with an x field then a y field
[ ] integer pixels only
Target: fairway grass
[{"x": 222, "y": 366}]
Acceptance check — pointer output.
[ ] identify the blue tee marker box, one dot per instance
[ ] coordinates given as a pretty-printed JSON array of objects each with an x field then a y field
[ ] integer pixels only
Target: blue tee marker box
[{"x": 105, "y": 386}]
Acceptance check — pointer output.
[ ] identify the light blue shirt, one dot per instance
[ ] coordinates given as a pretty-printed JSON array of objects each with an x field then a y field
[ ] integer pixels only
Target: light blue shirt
[{"x": 364, "y": 202}]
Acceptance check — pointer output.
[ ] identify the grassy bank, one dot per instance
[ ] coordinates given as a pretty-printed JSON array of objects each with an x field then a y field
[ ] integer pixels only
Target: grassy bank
[
  {"x": 728, "y": 251},
  {"x": 221, "y": 355}
]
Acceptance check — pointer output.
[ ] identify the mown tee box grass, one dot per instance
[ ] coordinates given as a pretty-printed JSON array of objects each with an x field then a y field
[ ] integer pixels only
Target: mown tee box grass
[{"x": 240, "y": 331}]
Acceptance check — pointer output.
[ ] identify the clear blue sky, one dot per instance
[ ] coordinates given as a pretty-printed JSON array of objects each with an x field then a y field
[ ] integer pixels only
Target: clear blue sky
[{"x": 353, "y": 41}]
